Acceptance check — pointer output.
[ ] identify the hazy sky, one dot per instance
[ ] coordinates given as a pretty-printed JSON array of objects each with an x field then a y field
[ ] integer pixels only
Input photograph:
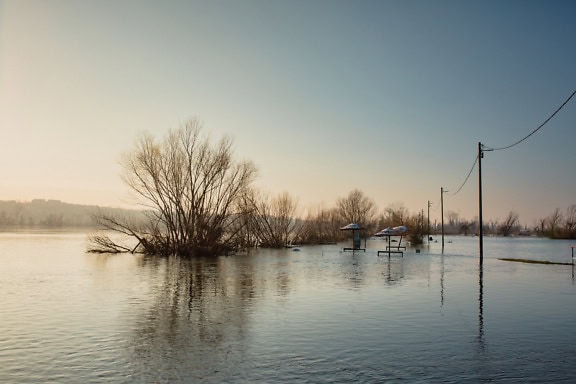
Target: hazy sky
[{"x": 390, "y": 97}]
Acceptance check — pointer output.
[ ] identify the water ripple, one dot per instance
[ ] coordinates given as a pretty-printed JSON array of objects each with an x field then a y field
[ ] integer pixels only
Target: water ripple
[{"x": 319, "y": 315}]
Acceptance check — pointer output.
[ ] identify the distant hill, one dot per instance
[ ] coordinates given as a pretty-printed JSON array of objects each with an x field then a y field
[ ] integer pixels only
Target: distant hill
[{"x": 53, "y": 213}]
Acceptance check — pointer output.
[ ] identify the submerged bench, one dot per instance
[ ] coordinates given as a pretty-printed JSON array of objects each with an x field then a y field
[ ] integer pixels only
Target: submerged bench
[
  {"x": 354, "y": 249},
  {"x": 389, "y": 252},
  {"x": 395, "y": 247}
]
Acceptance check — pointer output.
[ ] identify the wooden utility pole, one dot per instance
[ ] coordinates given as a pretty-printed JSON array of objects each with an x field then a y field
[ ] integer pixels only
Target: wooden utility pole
[
  {"x": 428, "y": 228},
  {"x": 481, "y": 224},
  {"x": 442, "y": 214}
]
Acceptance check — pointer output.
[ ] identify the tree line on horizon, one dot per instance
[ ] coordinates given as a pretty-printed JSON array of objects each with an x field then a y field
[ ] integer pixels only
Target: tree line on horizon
[
  {"x": 319, "y": 225},
  {"x": 556, "y": 225},
  {"x": 42, "y": 213},
  {"x": 199, "y": 200}
]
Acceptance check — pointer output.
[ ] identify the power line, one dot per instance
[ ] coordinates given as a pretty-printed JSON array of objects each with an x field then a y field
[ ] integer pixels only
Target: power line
[
  {"x": 467, "y": 177},
  {"x": 537, "y": 129}
]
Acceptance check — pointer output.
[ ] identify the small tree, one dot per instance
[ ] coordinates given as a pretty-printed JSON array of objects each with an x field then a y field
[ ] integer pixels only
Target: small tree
[
  {"x": 541, "y": 225},
  {"x": 416, "y": 229},
  {"x": 465, "y": 227},
  {"x": 192, "y": 190},
  {"x": 322, "y": 225},
  {"x": 553, "y": 221},
  {"x": 357, "y": 208},
  {"x": 273, "y": 220},
  {"x": 395, "y": 214},
  {"x": 570, "y": 222},
  {"x": 509, "y": 224}
]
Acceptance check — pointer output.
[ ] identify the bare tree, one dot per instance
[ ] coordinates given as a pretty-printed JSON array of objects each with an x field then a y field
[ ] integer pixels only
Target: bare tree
[
  {"x": 541, "y": 225},
  {"x": 357, "y": 208},
  {"x": 570, "y": 221},
  {"x": 322, "y": 225},
  {"x": 273, "y": 220},
  {"x": 192, "y": 190},
  {"x": 553, "y": 221},
  {"x": 453, "y": 219},
  {"x": 103, "y": 244},
  {"x": 509, "y": 224},
  {"x": 394, "y": 214},
  {"x": 465, "y": 227},
  {"x": 416, "y": 228}
]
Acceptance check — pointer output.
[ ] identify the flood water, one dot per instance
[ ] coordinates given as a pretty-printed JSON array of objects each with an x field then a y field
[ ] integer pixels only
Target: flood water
[{"x": 317, "y": 315}]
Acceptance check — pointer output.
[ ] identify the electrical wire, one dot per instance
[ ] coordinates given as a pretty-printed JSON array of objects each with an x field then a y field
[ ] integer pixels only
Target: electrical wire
[
  {"x": 486, "y": 148},
  {"x": 537, "y": 128},
  {"x": 467, "y": 177}
]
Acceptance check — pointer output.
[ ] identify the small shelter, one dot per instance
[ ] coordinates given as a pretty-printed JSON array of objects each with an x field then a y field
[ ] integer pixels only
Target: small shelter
[
  {"x": 355, "y": 228},
  {"x": 394, "y": 231}
]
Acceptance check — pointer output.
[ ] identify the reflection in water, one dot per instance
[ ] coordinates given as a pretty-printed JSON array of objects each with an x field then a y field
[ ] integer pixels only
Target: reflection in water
[
  {"x": 442, "y": 280},
  {"x": 282, "y": 278},
  {"x": 197, "y": 322},
  {"x": 198, "y": 313},
  {"x": 394, "y": 271},
  {"x": 482, "y": 360},
  {"x": 481, "y": 308},
  {"x": 200, "y": 322},
  {"x": 282, "y": 317},
  {"x": 353, "y": 270}
]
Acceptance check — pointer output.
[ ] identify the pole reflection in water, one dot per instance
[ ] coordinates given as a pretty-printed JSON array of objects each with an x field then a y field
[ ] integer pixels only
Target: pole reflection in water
[
  {"x": 442, "y": 280},
  {"x": 354, "y": 272},
  {"x": 481, "y": 307}
]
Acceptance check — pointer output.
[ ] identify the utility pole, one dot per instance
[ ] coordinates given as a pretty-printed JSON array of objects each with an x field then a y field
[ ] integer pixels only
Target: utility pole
[
  {"x": 481, "y": 224},
  {"x": 442, "y": 210},
  {"x": 422, "y": 224},
  {"x": 428, "y": 229}
]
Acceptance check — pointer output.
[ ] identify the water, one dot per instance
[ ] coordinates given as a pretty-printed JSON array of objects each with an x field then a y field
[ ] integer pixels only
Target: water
[{"x": 318, "y": 315}]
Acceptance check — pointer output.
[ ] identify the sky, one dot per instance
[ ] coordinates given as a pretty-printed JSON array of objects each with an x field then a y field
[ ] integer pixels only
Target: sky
[{"x": 324, "y": 96}]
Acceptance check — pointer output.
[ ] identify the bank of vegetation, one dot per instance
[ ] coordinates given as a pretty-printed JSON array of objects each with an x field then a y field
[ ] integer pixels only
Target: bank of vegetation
[
  {"x": 198, "y": 199},
  {"x": 195, "y": 198},
  {"x": 557, "y": 225}
]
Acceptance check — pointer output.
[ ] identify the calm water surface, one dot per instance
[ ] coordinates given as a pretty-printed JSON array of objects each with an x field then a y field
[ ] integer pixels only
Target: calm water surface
[{"x": 318, "y": 315}]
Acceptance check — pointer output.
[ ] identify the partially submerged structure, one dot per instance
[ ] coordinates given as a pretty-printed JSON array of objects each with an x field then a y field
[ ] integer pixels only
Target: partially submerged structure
[
  {"x": 394, "y": 231},
  {"x": 356, "y": 243}
]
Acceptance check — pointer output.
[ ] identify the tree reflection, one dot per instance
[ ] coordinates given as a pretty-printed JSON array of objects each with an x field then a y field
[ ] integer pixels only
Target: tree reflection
[
  {"x": 200, "y": 313},
  {"x": 197, "y": 320}
]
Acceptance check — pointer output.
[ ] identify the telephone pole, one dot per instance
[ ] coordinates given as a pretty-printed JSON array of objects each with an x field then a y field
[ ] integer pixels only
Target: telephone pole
[
  {"x": 481, "y": 151},
  {"x": 481, "y": 224},
  {"x": 428, "y": 228},
  {"x": 442, "y": 210}
]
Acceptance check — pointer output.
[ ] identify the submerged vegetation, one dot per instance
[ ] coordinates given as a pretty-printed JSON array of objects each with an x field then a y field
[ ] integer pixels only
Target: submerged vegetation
[
  {"x": 194, "y": 198},
  {"x": 193, "y": 191},
  {"x": 199, "y": 200}
]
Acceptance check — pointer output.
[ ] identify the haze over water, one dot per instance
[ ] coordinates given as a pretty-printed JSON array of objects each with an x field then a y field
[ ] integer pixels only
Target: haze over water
[{"x": 318, "y": 315}]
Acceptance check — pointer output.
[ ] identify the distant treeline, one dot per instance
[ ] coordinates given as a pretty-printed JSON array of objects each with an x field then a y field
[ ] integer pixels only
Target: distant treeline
[
  {"x": 557, "y": 225},
  {"x": 51, "y": 214}
]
